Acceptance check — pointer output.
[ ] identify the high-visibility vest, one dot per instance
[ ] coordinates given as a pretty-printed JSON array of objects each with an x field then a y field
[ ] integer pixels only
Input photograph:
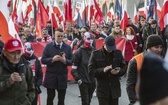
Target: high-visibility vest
[{"x": 139, "y": 60}]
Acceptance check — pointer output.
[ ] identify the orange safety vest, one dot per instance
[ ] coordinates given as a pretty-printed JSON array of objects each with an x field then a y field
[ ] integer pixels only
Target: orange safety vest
[{"x": 139, "y": 60}]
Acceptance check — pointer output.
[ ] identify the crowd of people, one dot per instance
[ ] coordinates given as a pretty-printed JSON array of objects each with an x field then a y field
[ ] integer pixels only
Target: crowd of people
[{"x": 145, "y": 47}]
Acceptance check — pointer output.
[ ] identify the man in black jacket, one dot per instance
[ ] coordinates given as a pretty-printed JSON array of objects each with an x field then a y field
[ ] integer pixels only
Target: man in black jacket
[
  {"x": 107, "y": 65},
  {"x": 57, "y": 55},
  {"x": 154, "y": 44},
  {"x": 80, "y": 70}
]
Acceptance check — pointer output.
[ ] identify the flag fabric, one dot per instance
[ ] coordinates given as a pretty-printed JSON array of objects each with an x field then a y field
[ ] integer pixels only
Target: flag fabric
[
  {"x": 4, "y": 28},
  {"x": 158, "y": 10},
  {"x": 68, "y": 10},
  {"x": 135, "y": 15},
  {"x": 118, "y": 10},
  {"x": 43, "y": 14},
  {"x": 58, "y": 14},
  {"x": 120, "y": 44},
  {"x": 110, "y": 14},
  {"x": 124, "y": 19},
  {"x": 144, "y": 10},
  {"x": 98, "y": 13},
  {"x": 79, "y": 20},
  {"x": 152, "y": 9},
  {"x": 90, "y": 11},
  {"x": 164, "y": 15}
]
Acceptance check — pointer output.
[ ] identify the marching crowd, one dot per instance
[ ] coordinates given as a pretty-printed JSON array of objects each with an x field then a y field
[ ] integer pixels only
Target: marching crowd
[{"x": 93, "y": 69}]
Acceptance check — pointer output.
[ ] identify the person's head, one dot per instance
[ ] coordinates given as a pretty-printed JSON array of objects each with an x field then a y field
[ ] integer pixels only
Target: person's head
[
  {"x": 13, "y": 51},
  {"x": 154, "y": 44},
  {"x": 93, "y": 27},
  {"x": 116, "y": 22},
  {"x": 59, "y": 35},
  {"x": 68, "y": 26},
  {"x": 44, "y": 32},
  {"x": 23, "y": 38},
  {"x": 109, "y": 44},
  {"x": 130, "y": 21},
  {"x": 27, "y": 31},
  {"x": 129, "y": 31},
  {"x": 49, "y": 25},
  {"x": 153, "y": 80},
  {"x": 28, "y": 49},
  {"x": 87, "y": 39},
  {"x": 117, "y": 28},
  {"x": 76, "y": 28},
  {"x": 153, "y": 24},
  {"x": 83, "y": 30},
  {"x": 105, "y": 29},
  {"x": 150, "y": 20}
]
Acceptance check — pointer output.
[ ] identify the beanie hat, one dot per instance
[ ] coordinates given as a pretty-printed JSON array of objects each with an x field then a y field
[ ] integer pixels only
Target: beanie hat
[
  {"x": 154, "y": 40},
  {"x": 153, "y": 79}
]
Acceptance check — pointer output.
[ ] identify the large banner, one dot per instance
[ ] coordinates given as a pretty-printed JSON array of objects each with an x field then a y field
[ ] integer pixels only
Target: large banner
[{"x": 39, "y": 47}]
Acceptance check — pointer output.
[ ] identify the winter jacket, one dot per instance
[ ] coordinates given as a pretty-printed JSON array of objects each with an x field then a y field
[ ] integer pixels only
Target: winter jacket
[
  {"x": 36, "y": 69},
  {"x": 81, "y": 59},
  {"x": 56, "y": 72},
  {"x": 19, "y": 93},
  {"x": 131, "y": 81},
  {"x": 107, "y": 83}
]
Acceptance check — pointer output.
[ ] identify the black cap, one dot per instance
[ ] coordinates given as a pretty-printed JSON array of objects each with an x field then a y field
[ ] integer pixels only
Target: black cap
[{"x": 110, "y": 43}]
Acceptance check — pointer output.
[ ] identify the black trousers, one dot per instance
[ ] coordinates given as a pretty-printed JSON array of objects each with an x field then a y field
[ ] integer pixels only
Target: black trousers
[
  {"x": 107, "y": 101},
  {"x": 86, "y": 91},
  {"x": 35, "y": 99},
  {"x": 51, "y": 95}
]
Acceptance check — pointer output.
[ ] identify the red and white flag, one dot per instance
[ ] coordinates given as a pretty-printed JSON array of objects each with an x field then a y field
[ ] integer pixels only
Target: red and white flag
[
  {"x": 164, "y": 15},
  {"x": 124, "y": 19},
  {"x": 68, "y": 10},
  {"x": 144, "y": 10},
  {"x": 135, "y": 15},
  {"x": 110, "y": 14}
]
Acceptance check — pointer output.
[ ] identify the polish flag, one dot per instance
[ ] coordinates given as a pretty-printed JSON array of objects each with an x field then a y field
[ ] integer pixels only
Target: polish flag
[
  {"x": 158, "y": 10},
  {"x": 43, "y": 14},
  {"x": 144, "y": 10},
  {"x": 124, "y": 19},
  {"x": 90, "y": 11},
  {"x": 164, "y": 15},
  {"x": 7, "y": 26},
  {"x": 20, "y": 12},
  {"x": 52, "y": 15},
  {"x": 68, "y": 10},
  {"x": 58, "y": 13},
  {"x": 98, "y": 14},
  {"x": 110, "y": 14},
  {"x": 27, "y": 9},
  {"x": 135, "y": 15}
]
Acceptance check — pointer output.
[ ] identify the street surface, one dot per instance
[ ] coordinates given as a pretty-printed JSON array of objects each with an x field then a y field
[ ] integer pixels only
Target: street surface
[{"x": 73, "y": 92}]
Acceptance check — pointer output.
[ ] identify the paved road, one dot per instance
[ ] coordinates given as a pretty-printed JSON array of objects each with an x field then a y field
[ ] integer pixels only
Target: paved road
[{"x": 73, "y": 92}]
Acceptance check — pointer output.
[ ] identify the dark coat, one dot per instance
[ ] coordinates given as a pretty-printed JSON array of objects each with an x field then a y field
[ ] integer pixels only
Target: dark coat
[
  {"x": 107, "y": 83},
  {"x": 56, "y": 72},
  {"x": 81, "y": 59},
  {"x": 19, "y": 93},
  {"x": 37, "y": 73},
  {"x": 131, "y": 80}
]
